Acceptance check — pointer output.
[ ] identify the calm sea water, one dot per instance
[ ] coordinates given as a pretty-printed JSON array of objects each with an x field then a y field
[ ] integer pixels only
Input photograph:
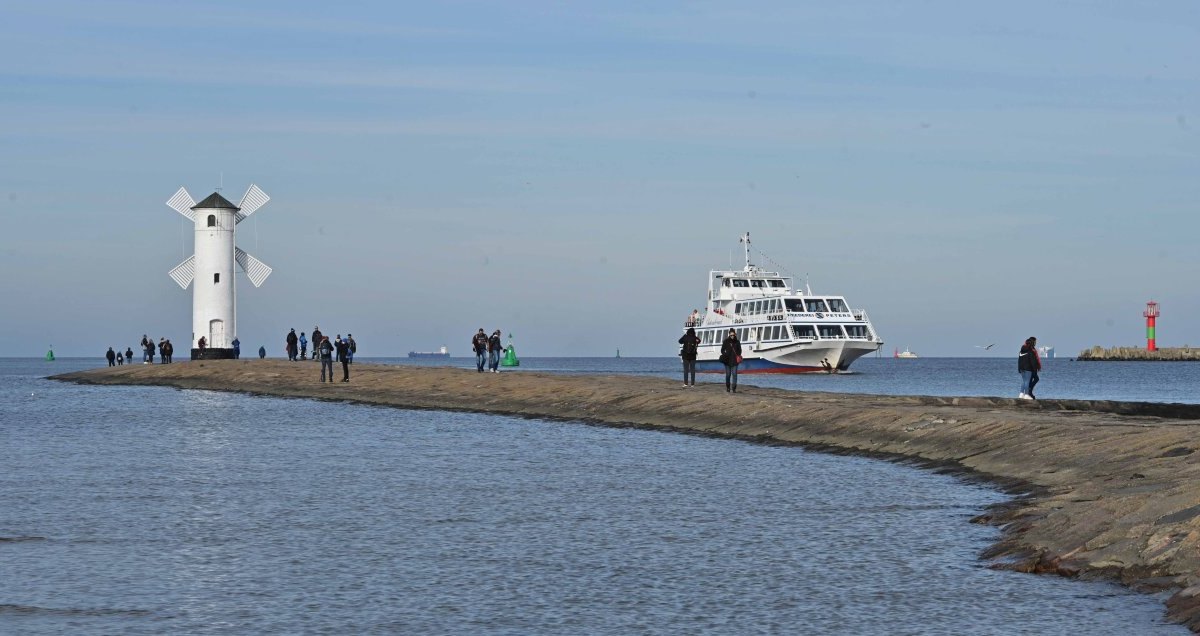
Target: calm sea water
[
  {"x": 144, "y": 510},
  {"x": 1061, "y": 378}
]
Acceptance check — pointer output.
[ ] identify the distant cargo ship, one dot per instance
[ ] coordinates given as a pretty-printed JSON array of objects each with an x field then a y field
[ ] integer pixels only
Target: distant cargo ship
[{"x": 440, "y": 353}]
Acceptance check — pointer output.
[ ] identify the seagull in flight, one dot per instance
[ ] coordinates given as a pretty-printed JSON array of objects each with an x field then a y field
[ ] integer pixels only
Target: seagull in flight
[{"x": 985, "y": 348}]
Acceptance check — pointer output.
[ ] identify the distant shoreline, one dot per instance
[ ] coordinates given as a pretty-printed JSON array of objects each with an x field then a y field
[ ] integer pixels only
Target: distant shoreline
[{"x": 1110, "y": 489}]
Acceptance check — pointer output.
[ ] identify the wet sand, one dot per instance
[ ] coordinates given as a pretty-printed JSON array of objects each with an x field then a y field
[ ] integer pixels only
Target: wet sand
[{"x": 1105, "y": 489}]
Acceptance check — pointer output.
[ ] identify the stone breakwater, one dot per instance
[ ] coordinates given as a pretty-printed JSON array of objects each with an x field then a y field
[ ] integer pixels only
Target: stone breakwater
[
  {"x": 1140, "y": 354},
  {"x": 1104, "y": 489}
]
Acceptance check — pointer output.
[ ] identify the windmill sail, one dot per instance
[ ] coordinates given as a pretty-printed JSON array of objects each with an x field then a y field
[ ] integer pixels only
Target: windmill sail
[
  {"x": 182, "y": 203},
  {"x": 256, "y": 270},
  {"x": 184, "y": 272},
  {"x": 254, "y": 199}
]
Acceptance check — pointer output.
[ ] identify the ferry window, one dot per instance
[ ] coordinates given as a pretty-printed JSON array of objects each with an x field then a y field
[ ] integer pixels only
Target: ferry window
[
  {"x": 742, "y": 334},
  {"x": 777, "y": 305},
  {"x": 804, "y": 331},
  {"x": 815, "y": 305},
  {"x": 836, "y": 304},
  {"x": 795, "y": 304},
  {"x": 775, "y": 335},
  {"x": 737, "y": 282},
  {"x": 858, "y": 332},
  {"x": 758, "y": 307},
  {"x": 830, "y": 331},
  {"x": 756, "y": 283},
  {"x": 776, "y": 283}
]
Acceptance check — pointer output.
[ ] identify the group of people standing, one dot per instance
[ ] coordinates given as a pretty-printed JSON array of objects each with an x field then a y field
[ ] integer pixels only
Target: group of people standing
[
  {"x": 165, "y": 350},
  {"x": 731, "y": 358},
  {"x": 487, "y": 350},
  {"x": 324, "y": 350}
]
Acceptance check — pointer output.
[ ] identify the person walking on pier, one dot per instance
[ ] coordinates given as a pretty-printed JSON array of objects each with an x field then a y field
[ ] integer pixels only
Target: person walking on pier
[
  {"x": 262, "y": 353},
  {"x": 325, "y": 350},
  {"x": 1028, "y": 364},
  {"x": 112, "y": 357},
  {"x": 691, "y": 344},
  {"x": 129, "y": 355},
  {"x": 291, "y": 345},
  {"x": 494, "y": 349},
  {"x": 731, "y": 357},
  {"x": 303, "y": 346},
  {"x": 120, "y": 359},
  {"x": 237, "y": 348},
  {"x": 351, "y": 347},
  {"x": 479, "y": 343},
  {"x": 168, "y": 352}
]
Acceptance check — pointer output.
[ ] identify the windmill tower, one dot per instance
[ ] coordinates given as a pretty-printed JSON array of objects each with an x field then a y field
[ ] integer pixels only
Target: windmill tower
[{"x": 212, "y": 266}]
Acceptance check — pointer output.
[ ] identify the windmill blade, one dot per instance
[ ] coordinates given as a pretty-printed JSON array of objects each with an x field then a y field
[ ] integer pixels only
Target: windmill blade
[
  {"x": 184, "y": 272},
  {"x": 182, "y": 203},
  {"x": 254, "y": 199},
  {"x": 255, "y": 269}
]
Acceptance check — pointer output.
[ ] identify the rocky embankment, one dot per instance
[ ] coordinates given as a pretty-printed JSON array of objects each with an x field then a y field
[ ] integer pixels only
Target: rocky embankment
[
  {"x": 1140, "y": 354},
  {"x": 1104, "y": 489}
]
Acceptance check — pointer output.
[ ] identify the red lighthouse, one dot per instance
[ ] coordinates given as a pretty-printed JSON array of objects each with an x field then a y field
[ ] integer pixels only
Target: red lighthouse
[{"x": 1151, "y": 313}]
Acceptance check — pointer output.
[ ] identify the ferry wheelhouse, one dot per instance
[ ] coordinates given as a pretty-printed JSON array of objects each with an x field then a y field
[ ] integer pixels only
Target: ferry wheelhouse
[{"x": 782, "y": 329}]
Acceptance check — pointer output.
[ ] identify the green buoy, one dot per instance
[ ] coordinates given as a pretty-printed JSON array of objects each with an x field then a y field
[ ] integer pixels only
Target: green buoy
[
  {"x": 510, "y": 355},
  {"x": 50, "y": 354}
]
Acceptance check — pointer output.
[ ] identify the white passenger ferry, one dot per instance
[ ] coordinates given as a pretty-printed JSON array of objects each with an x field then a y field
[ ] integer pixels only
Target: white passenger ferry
[{"x": 782, "y": 329}]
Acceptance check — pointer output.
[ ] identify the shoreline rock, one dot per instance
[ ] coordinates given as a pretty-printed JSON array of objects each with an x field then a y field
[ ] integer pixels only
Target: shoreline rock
[{"x": 1101, "y": 489}]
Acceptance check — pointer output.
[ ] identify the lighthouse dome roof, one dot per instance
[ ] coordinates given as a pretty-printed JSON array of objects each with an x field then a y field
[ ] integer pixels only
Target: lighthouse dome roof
[{"x": 215, "y": 201}]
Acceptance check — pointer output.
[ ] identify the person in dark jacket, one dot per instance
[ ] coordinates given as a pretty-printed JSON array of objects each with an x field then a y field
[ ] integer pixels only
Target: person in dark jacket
[
  {"x": 343, "y": 356},
  {"x": 291, "y": 345},
  {"x": 731, "y": 357},
  {"x": 262, "y": 352},
  {"x": 129, "y": 355},
  {"x": 691, "y": 345},
  {"x": 316, "y": 342},
  {"x": 325, "y": 354},
  {"x": 479, "y": 343},
  {"x": 1028, "y": 364},
  {"x": 112, "y": 357},
  {"x": 494, "y": 348}
]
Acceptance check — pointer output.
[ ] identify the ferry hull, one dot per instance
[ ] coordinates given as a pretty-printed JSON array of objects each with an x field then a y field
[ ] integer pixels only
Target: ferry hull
[{"x": 793, "y": 359}]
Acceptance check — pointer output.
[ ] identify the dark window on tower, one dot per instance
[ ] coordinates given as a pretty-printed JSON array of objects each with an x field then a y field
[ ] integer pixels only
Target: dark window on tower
[
  {"x": 212, "y": 220},
  {"x": 216, "y": 278}
]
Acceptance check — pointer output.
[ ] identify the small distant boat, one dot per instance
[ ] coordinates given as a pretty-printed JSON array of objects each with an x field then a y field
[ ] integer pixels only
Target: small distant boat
[
  {"x": 1046, "y": 353},
  {"x": 440, "y": 353},
  {"x": 906, "y": 354}
]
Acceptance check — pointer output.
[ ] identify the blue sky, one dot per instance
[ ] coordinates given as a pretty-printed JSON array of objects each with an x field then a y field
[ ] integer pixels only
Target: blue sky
[{"x": 569, "y": 172}]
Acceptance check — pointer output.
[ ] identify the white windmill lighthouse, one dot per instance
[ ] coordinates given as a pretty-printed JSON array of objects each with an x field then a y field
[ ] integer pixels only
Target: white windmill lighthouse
[{"x": 211, "y": 266}]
